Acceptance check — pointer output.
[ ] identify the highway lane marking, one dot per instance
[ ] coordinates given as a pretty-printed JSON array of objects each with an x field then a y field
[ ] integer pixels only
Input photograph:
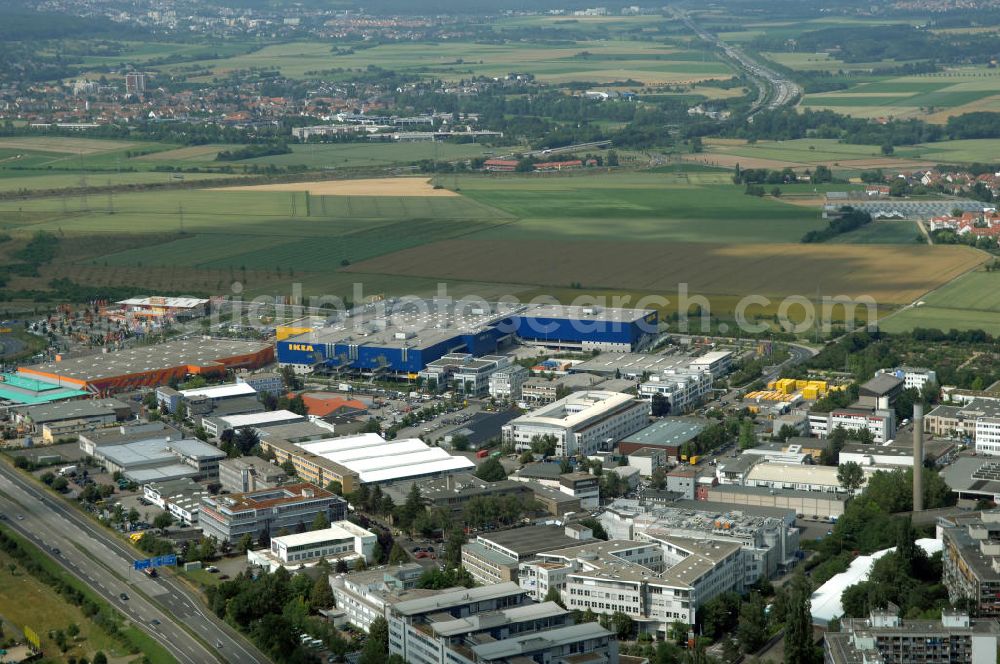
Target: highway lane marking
[{"x": 119, "y": 551}]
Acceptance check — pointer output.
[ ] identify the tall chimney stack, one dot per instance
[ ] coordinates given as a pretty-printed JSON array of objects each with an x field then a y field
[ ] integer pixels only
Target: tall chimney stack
[{"x": 918, "y": 457}]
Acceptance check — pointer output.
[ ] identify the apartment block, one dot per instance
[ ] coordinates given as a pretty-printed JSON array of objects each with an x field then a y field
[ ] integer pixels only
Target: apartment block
[{"x": 886, "y": 638}]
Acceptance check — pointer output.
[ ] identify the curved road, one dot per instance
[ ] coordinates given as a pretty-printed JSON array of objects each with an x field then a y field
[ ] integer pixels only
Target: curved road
[
  {"x": 105, "y": 564},
  {"x": 776, "y": 90}
]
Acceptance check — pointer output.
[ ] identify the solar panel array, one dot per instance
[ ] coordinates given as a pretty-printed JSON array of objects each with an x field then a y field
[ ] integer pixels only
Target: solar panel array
[{"x": 988, "y": 471}]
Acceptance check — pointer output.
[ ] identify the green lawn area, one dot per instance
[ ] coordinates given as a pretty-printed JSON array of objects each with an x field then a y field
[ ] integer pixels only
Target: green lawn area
[
  {"x": 25, "y": 601},
  {"x": 638, "y": 207}
]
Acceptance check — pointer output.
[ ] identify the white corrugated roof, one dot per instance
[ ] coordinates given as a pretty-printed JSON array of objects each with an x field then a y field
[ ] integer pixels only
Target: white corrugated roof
[
  {"x": 329, "y": 446},
  {"x": 219, "y": 391},
  {"x": 376, "y": 459},
  {"x": 394, "y": 448},
  {"x": 254, "y": 419},
  {"x": 174, "y": 302},
  {"x": 393, "y": 460},
  {"x": 444, "y": 465}
]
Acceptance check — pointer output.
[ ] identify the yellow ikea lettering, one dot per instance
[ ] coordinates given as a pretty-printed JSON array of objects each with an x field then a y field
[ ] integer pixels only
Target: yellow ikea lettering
[{"x": 305, "y": 347}]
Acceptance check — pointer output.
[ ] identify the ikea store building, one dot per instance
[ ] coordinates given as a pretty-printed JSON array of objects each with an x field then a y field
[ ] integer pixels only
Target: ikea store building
[{"x": 401, "y": 338}]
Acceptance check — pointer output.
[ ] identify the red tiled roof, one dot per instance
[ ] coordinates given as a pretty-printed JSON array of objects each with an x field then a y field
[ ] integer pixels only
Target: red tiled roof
[{"x": 320, "y": 405}]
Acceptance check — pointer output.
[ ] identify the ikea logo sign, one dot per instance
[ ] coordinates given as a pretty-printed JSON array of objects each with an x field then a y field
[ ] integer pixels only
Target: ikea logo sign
[{"x": 303, "y": 347}]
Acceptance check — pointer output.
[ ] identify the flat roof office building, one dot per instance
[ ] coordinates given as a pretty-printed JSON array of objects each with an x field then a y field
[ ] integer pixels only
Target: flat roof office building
[
  {"x": 495, "y": 623},
  {"x": 342, "y": 540},
  {"x": 582, "y": 423},
  {"x": 228, "y": 518}
]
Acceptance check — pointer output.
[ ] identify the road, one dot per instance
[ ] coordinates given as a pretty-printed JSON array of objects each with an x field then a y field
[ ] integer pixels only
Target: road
[
  {"x": 776, "y": 90},
  {"x": 105, "y": 564}
]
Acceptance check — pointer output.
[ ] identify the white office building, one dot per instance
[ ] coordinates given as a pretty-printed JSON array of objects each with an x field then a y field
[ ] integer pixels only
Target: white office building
[
  {"x": 913, "y": 377},
  {"x": 343, "y": 540},
  {"x": 717, "y": 362},
  {"x": 492, "y": 624},
  {"x": 654, "y": 583},
  {"x": 684, "y": 390},
  {"x": 180, "y": 498},
  {"x": 881, "y": 423},
  {"x": 467, "y": 373},
  {"x": 506, "y": 383},
  {"x": 988, "y": 436},
  {"x": 582, "y": 423},
  {"x": 363, "y": 596}
]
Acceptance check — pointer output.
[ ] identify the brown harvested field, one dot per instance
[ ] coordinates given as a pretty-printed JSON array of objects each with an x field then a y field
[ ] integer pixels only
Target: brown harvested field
[
  {"x": 880, "y": 162},
  {"x": 190, "y": 153},
  {"x": 803, "y": 201},
  {"x": 63, "y": 144},
  {"x": 890, "y": 274},
  {"x": 366, "y": 187}
]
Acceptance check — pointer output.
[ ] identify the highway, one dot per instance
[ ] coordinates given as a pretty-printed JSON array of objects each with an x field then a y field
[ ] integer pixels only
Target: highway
[
  {"x": 776, "y": 90},
  {"x": 158, "y": 606}
]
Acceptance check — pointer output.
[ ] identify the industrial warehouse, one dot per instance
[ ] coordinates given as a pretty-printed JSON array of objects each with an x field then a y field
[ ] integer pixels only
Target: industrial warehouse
[
  {"x": 403, "y": 337},
  {"x": 149, "y": 366},
  {"x": 377, "y": 460}
]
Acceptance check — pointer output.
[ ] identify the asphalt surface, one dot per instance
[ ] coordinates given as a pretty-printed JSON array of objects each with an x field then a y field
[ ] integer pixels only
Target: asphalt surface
[
  {"x": 105, "y": 564},
  {"x": 776, "y": 89}
]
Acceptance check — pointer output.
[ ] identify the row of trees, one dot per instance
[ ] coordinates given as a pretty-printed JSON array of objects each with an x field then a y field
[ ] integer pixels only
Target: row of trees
[{"x": 849, "y": 220}]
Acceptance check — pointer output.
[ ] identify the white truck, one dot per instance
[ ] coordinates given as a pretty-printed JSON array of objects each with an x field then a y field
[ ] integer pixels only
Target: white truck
[{"x": 67, "y": 470}]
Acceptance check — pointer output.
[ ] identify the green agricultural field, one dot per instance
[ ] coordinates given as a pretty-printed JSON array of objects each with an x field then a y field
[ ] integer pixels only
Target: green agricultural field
[
  {"x": 144, "y": 52},
  {"x": 352, "y": 155},
  {"x": 881, "y": 232},
  {"x": 932, "y": 97},
  {"x": 649, "y": 207},
  {"x": 30, "y": 181},
  {"x": 943, "y": 319},
  {"x": 224, "y": 211},
  {"x": 983, "y": 150},
  {"x": 800, "y": 151},
  {"x": 576, "y": 24},
  {"x": 594, "y": 60},
  {"x": 21, "y": 154},
  {"x": 969, "y": 302}
]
